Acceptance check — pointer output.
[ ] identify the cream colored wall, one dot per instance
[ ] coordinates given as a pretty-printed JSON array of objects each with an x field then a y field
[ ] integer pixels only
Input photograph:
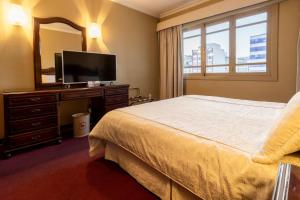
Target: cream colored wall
[
  {"x": 127, "y": 33},
  {"x": 281, "y": 90}
]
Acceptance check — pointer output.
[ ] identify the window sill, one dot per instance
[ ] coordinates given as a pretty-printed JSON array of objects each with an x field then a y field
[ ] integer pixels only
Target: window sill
[{"x": 232, "y": 77}]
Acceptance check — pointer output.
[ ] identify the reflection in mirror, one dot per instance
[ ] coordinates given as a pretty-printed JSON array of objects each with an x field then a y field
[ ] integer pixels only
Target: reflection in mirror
[{"x": 54, "y": 38}]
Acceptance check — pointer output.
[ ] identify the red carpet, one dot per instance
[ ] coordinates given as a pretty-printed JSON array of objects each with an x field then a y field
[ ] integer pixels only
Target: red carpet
[{"x": 65, "y": 172}]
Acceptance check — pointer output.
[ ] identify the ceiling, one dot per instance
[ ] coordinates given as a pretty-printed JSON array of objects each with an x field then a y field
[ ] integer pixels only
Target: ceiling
[{"x": 154, "y": 7}]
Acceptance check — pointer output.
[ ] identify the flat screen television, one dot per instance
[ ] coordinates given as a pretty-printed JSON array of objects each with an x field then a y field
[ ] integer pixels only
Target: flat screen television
[{"x": 81, "y": 67}]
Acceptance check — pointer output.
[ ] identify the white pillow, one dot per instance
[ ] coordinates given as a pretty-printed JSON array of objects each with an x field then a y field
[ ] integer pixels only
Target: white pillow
[{"x": 284, "y": 138}]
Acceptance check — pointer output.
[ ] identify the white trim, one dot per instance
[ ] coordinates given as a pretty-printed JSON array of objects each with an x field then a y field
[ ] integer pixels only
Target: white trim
[
  {"x": 135, "y": 6},
  {"x": 159, "y": 13},
  {"x": 209, "y": 11}
]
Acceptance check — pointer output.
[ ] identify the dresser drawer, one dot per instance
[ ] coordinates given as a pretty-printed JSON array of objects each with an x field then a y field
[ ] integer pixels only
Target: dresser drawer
[
  {"x": 31, "y": 111},
  {"x": 21, "y": 126},
  {"x": 117, "y": 99},
  {"x": 33, "y": 137},
  {"x": 70, "y": 95},
  {"x": 116, "y": 91},
  {"x": 115, "y": 106},
  {"x": 31, "y": 99}
]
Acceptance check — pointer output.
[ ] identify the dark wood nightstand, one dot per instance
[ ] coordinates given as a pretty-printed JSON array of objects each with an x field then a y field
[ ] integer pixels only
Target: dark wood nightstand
[{"x": 287, "y": 186}]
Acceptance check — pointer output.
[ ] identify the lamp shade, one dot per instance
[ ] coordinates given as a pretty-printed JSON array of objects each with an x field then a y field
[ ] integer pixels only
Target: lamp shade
[
  {"x": 17, "y": 15},
  {"x": 94, "y": 30}
]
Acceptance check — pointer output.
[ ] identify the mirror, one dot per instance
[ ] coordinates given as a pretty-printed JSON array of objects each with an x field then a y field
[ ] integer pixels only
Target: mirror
[{"x": 52, "y": 36}]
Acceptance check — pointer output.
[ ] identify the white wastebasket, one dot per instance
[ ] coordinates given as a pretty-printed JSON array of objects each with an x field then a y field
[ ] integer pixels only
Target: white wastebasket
[{"x": 81, "y": 124}]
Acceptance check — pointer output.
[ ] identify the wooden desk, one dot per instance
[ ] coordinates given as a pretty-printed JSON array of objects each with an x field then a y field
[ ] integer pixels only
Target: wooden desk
[
  {"x": 287, "y": 185},
  {"x": 33, "y": 117}
]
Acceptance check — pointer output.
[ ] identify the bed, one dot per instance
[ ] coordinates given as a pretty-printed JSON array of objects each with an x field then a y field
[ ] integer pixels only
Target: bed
[{"x": 202, "y": 147}]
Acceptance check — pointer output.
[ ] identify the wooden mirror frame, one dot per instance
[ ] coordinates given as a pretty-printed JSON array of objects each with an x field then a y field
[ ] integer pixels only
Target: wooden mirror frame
[{"x": 36, "y": 48}]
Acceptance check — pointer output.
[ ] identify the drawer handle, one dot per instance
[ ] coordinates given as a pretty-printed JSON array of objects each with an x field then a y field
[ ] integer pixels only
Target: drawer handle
[
  {"x": 35, "y": 99},
  {"x": 35, "y": 123},
  {"x": 36, "y": 110}
]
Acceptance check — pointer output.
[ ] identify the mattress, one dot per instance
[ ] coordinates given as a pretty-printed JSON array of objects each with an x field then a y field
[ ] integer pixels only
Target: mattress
[{"x": 202, "y": 143}]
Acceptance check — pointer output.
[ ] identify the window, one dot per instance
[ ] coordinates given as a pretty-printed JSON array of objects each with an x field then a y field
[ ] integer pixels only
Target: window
[
  {"x": 192, "y": 51},
  {"x": 240, "y": 46},
  {"x": 251, "y": 44},
  {"x": 217, "y": 48}
]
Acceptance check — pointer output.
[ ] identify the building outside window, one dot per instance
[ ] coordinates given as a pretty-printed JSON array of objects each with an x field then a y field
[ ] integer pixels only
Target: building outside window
[
  {"x": 235, "y": 45},
  {"x": 192, "y": 51}
]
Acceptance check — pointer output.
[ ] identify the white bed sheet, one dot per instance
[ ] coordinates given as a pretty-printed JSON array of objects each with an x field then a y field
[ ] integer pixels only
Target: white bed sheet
[{"x": 240, "y": 124}]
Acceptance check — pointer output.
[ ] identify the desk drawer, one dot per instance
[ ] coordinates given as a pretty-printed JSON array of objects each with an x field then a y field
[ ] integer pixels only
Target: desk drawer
[
  {"x": 115, "y": 106},
  {"x": 32, "y": 99},
  {"x": 117, "y": 99},
  {"x": 21, "y": 126},
  {"x": 69, "y": 95},
  {"x": 116, "y": 91},
  {"x": 31, "y": 111},
  {"x": 33, "y": 137}
]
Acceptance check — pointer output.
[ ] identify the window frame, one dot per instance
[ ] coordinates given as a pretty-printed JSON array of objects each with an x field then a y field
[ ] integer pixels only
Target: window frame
[
  {"x": 211, "y": 23},
  {"x": 191, "y": 28},
  {"x": 271, "y": 73},
  {"x": 268, "y": 41}
]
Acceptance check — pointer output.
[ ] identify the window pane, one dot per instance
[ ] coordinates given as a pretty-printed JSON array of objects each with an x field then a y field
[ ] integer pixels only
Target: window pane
[
  {"x": 251, "y": 44},
  {"x": 251, "y": 68},
  {"x": 252, "y": 19},
  {"x": 192, "y": 51},
  {"x": 191, "y": 33},
  {"x": 217, "y": 27},
  {"x": 219, "y": 69},
  {"x": 217, "y": 48}
]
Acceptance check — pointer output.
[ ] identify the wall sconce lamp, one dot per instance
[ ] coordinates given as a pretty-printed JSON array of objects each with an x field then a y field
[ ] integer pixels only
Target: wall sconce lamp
[
  {"x": 17, "y": 15},
  {"x": 94, "y": 30}
]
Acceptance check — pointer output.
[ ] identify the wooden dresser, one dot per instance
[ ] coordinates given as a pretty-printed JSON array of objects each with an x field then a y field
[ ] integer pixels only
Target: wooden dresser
[
  {"x": 32, "y": 118},
  {"x": 115, "y": 97}
]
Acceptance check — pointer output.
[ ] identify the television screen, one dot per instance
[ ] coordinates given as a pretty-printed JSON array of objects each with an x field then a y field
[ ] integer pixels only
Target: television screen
[{"x": 81, "y": 67}]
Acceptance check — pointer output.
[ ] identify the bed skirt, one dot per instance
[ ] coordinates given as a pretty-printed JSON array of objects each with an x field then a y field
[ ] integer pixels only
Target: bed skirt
[{"x": 154, "y": 181}]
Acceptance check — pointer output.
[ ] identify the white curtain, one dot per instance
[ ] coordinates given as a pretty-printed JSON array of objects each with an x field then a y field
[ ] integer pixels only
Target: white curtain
[
  {"x": 298, "y": 66},
  {"x": 171, "y": 69}
]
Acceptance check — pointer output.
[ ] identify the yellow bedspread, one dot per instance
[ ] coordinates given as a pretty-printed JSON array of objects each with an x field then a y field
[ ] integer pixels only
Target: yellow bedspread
[{"x": 210, "y": 167}]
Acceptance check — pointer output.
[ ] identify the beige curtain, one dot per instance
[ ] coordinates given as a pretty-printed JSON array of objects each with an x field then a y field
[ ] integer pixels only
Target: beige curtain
[
  {"x": 171, "y": 69},
  {"x": 298, "y": 66}
]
